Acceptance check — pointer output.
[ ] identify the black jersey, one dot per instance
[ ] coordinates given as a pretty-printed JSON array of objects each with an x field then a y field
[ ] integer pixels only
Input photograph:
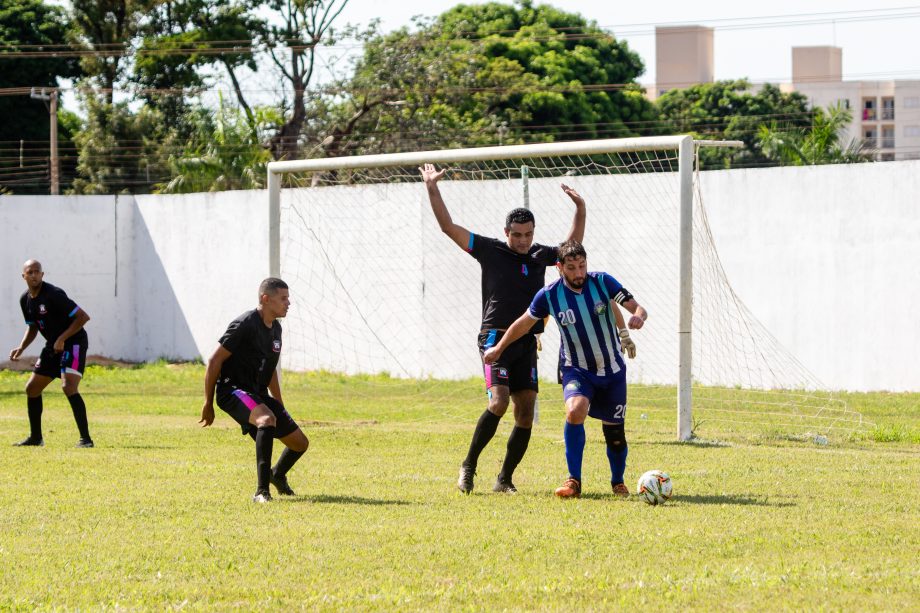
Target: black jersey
[
  {"x": 255, "y": 348},
  {"x": 509, "y": 280},
  {"x": 52, "y": 312}
]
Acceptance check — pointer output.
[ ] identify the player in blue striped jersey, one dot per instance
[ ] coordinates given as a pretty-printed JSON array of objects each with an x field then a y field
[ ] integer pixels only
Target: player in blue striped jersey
[{"x": 584, "y": 304}]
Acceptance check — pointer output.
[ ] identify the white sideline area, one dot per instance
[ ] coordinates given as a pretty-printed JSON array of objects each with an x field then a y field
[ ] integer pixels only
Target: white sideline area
[{"x": 826, "y": 257}]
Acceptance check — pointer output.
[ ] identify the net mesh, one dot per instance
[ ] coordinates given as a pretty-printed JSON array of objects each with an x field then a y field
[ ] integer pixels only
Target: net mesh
[{"x": 385, "y": 301}]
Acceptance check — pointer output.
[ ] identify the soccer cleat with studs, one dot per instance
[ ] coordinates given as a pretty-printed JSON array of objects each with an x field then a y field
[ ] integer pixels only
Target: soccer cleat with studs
[
  {"x": 570, "y": 488},
  {"x": 262, "y": 496},
  {"x": 504, "y": 486},
  {"x": 30, "y": 442},
  {"x": 620, "y": 489},
  {"x": 281, "y": 484},
  {"x": 465, "y": 479},
  {"x": 85, "y": 443}
]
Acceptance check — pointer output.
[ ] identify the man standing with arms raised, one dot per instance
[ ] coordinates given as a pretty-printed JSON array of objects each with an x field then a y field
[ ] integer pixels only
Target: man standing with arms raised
[{"x": 512, "y": 272}]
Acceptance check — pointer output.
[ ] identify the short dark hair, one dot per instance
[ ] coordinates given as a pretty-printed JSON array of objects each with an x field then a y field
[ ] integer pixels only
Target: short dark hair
[
  {"x": 271, "y": 285},
  {"x": 519, "y": 216},
  {"x": 571, "y": 249}
]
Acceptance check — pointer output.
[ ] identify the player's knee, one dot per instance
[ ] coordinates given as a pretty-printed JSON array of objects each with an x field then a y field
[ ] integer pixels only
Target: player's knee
[
  {"x": 523, "y": 416},
  {"x": 615, "y": 435},
  {"x": 265, "y": 421},
  {"x": 32, "y": 390},
  {"x": 576, "y": 412},
  {"x": 498, "y": 404},
  {"x": 300, "y": 444},
  {"x": 70, "y": 387}
]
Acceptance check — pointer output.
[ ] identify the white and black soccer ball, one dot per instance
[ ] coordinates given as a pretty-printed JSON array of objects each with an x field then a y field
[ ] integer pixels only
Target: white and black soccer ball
[{"x": 654, "y": 487}]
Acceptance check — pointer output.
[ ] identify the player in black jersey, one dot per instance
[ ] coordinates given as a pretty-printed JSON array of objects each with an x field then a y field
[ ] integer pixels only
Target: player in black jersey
[
  {"x": 243, "y": 370},
  {"x": 512, "y": 272},
  {"x": 48, "y": 310}
]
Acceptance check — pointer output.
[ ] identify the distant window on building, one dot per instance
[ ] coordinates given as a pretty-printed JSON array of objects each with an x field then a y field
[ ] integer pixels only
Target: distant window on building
[
  {"x": 912, "y": 102},
  {"x": 887, "y": 157},
  {"x": 911, "y": 131},
  {"x": 844, "y": 102},
  {"x": 887, "y": 109}
]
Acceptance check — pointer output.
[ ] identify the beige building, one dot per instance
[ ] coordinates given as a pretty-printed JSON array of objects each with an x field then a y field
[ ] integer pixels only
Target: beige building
[{"x": 885, "y": 113}]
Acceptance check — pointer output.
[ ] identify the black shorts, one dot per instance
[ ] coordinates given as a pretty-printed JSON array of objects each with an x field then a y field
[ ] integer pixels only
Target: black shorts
[
  {"x": 239, "y": 403},
  {"x": 71, "y": 361},
  {"x": 517, "y": 368}
]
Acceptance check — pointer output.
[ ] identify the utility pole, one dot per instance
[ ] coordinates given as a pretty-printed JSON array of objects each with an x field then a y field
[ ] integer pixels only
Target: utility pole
[{"x": 51, "y": 97}]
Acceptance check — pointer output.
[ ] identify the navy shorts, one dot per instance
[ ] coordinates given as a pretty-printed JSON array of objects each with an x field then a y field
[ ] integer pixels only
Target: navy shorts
[
  {"x": 71, "y": 361},
  {"x": 239, "y": 403},
  {"x": 517, "y": 368},
  {"x": 606, "y": 394}
]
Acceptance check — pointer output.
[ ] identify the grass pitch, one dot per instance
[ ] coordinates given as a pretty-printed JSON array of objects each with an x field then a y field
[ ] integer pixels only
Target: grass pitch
[{"x": 159, "y": 516}]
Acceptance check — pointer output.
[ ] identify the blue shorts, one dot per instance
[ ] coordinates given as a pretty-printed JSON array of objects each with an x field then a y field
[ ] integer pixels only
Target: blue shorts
[{"x": 606, "y": 394}]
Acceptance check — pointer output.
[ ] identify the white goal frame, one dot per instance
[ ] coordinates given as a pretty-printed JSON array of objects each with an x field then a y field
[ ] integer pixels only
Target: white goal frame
[{"x": 684, "y": 144}]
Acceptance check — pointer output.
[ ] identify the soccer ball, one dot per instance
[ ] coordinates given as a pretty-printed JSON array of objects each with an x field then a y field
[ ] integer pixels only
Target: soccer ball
[{"x": 654, "y": 487}]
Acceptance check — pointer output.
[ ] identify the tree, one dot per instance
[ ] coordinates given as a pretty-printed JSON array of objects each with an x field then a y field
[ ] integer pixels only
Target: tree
[
  {"x": 820, "y": 143},
  {"x": 727, "y": 110},
  {"x": 182, "y": 37},
  {"x": 29, "y": 26},
  {"x": 488, "y": 73},
  {"x": 224, "y": 152}
]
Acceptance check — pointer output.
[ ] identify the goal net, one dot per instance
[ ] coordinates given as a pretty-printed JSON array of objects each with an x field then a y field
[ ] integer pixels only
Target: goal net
[{"x": 387, "y": 304}]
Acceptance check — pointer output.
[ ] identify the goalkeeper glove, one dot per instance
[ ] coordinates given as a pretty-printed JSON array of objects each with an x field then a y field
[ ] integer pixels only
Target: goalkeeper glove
[{"x": 627, "y": 344}]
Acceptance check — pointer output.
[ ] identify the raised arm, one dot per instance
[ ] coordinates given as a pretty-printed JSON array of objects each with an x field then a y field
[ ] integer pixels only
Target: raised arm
[
  {"x": 79, "y": 320},
  {"x": 577, "y": 231},
  {"x": 217, "y": 360},
  {"x": 458, "y": 234},
  {"x": 518, "y": 329},
  {"x": 27, "y": 338}
]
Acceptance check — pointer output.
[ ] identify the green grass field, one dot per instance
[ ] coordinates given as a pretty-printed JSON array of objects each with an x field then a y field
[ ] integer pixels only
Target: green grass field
[{"x": 159, "y": 515}]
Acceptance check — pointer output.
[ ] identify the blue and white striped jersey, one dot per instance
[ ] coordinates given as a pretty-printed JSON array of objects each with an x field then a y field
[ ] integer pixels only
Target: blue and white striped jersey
[{"x": 587, "y": 325}]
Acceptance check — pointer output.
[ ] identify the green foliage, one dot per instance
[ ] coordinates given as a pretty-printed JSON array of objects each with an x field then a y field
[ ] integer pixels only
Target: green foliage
[
  {"x": 821, "y": 143},
  {"x": 224, "y": 152},
  {"x": 119, "y": 150},
  {"x": 487, "y": 74},
  {"x": 727, "y": 110},
  {"x": 158, "y": 515}
]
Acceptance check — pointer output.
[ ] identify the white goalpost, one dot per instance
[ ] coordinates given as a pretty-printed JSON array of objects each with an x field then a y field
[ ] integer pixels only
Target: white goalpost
[{"x": 380, "y": 293}]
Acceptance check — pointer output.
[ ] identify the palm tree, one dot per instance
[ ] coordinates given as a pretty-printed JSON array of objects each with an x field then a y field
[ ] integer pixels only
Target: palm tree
[{"x": 822, "y": 143}]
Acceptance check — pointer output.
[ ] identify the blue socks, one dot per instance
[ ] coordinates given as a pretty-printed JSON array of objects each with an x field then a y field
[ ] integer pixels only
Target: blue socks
[{"x": 574, "y": 436}]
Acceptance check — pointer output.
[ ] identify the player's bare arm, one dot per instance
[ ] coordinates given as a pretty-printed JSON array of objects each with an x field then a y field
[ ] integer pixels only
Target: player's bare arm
[
  {"x": 518, "y": 329},
  {"x": 577, "y": 231},
  {"x": 79, "y": 320},
  {"x": 458, "y": 234},
  {"x": 639, "y": 314},
  {"x": 27, "y": 338},
  {"x": 211, "y": 375},
  {"x": 274, "y": 387}
]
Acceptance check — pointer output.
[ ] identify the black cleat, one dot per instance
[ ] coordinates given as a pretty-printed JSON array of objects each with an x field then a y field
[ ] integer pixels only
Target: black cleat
[
  {"x": 465, "y": 479},
  {"x": 262, "y": 496},
  {"x": 504, "y": 486},
  {"x": 30, "y": 442},
  {"x": 281, "y": 484},
  {"x": 85, "y": 443}
]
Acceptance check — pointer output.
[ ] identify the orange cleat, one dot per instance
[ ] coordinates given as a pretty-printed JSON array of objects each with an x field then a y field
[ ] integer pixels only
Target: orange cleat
[
  {"x": 571, "y": 488},
  {"x": 620, "y": 489}
]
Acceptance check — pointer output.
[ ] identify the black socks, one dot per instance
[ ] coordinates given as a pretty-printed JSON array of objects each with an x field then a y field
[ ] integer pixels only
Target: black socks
[
  {"x": 79, "y": 414},
  {"x": 265, "y": 436},
  {"x": 286, "y": 461},
  {"x": 485, "y": 430},
  {"x": 517, "y": 446},
  {"x": 35, "y": 417}
]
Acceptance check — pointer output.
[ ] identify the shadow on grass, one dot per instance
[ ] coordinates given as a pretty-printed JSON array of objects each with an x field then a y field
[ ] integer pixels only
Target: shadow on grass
[
  {"x": 329, "y": 499},
  {"x": 736, "y": 499}
]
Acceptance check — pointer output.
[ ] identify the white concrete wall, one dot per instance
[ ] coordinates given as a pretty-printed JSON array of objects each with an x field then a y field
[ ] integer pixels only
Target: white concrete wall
[{"x": 827, "y": 258}]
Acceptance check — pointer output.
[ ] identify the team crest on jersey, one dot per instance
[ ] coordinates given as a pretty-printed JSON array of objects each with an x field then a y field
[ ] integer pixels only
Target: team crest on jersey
[
  {"x": 42, "y": 310},
  {"x": 599, "y": 307},
  {"x": 276, "y": 346}
]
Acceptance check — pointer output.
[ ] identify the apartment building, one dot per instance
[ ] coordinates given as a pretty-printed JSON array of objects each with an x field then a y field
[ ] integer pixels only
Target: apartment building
[{"x": 885, "y": 113}]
